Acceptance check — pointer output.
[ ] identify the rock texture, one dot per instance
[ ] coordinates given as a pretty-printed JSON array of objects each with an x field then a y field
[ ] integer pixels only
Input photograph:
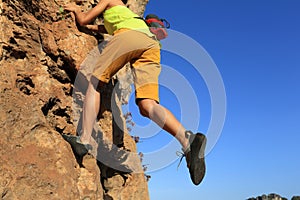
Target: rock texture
[{"x": 41, "y": 49}]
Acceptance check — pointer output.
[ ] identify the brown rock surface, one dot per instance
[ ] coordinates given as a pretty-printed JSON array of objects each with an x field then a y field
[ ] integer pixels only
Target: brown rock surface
[{"x": 40, "y": 49}]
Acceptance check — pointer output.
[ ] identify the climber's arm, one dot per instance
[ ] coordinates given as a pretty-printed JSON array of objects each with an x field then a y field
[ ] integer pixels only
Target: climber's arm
[
  {"x": 96, "y": 28},
  {"x": 83, "y": 18}
]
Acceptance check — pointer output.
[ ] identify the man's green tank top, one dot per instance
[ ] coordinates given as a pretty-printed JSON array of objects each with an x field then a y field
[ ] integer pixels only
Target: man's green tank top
[{"x": 119, "y": 17}]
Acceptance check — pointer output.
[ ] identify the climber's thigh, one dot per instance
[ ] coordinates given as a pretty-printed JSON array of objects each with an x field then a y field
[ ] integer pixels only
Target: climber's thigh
[
  {"x": 124, "y": 47},
  {"x": 146, "y": 70}
]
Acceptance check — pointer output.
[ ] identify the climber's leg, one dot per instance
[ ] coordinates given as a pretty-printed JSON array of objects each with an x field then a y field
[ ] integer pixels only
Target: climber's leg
[
  {"x": 91, "y": 108},
  {"x": 193, "y": 145},
  {"x": 81, "y": 144},
  {"x": 163, "y": 118},
  {"x": 146, "y": 70}
]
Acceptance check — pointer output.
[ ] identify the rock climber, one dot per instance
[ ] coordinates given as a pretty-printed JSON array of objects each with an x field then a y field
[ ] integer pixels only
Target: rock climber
[{"x": 132, "y": 42}]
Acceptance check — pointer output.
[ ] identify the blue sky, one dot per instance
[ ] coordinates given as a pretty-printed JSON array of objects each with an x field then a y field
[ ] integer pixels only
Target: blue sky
[{"x": 256, "y": 48}]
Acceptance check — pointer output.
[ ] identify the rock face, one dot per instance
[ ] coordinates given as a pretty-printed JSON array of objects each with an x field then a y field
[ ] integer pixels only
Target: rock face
[{"x": 41, "y": 49}]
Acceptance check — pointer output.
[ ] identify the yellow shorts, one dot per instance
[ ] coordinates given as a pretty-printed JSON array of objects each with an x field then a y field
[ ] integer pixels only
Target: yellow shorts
[{"x": 142, "y": 51}]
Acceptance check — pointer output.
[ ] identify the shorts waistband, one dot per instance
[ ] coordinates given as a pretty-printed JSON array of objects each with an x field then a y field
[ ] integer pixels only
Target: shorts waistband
[{"x": 121, "y": 30}]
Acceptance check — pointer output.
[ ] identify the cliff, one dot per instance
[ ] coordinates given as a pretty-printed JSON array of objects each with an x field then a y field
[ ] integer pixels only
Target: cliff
[{"x": 41, "y": 50}]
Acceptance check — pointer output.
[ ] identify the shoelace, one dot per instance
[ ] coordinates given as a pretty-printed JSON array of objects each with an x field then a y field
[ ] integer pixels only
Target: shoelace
[{"x": 181, "y": 155}]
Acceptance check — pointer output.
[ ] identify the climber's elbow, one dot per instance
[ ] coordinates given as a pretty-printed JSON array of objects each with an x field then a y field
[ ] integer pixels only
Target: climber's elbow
[
  {"x": 82, "y": 19},
  {"x": 81, "y": 23}
]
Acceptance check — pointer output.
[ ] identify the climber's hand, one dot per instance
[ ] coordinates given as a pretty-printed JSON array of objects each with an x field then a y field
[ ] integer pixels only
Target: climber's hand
[{"x": 72, "y": 7}]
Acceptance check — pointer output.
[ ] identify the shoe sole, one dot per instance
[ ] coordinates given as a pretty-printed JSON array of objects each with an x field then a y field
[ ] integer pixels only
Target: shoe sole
[{"x": 198, "y": 168}]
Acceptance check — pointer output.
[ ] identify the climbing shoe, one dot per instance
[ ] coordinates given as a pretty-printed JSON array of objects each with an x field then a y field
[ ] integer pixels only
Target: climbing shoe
[
  {"x": 194, "y": 155},
  {"x": 78, "y": 148}
]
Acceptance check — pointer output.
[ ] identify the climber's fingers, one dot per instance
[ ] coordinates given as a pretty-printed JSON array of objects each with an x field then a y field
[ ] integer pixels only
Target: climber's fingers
[{"x": 72, "y": 7}]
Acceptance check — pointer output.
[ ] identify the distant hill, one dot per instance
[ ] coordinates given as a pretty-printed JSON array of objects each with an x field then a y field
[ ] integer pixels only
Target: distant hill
[{"x": 272, "y": 197}]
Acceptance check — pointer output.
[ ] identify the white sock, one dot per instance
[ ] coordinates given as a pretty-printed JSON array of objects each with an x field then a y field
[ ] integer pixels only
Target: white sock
[{"x": 190, "y": 137}]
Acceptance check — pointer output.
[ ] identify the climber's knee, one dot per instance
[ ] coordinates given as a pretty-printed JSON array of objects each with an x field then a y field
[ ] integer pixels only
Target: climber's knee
[
  {"x": 97, "y": 84},
  {"x": 146, "y": 106}
]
